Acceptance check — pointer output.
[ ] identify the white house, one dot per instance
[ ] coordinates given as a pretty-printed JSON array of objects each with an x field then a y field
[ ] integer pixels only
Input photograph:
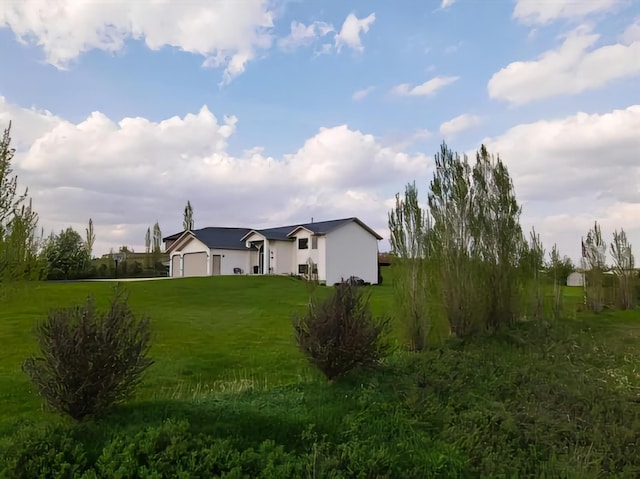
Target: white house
[{"x": 338, "y": 249}]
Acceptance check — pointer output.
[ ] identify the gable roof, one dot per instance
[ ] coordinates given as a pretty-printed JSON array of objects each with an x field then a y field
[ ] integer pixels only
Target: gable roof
[
  {"x": 233, "y": 238},
  {"x": 217, "y": 237},
  {"x": 324, "y": 227}
]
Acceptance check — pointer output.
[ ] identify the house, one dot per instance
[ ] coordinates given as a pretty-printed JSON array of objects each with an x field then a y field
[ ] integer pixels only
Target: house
[
  {"x": 575, "y": 279},
  {"x": 334, "y": 250}
]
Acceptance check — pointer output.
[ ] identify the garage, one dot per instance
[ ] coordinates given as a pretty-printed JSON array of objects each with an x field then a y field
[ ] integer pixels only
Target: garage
[
  {"x": 175, "y": 266},
  {"x": 195, "y": 264}
]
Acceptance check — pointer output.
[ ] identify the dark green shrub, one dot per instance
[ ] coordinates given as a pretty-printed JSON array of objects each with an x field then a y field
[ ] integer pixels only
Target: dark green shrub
[
  {"x": 340, "y": 333},
  {"x": 90, "y": 359},
  {"x": 36, "y": 451}
]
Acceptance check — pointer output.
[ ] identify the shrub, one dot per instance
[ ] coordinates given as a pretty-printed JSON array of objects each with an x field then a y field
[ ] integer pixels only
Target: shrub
[
  {"x": 90, "y": 359},
  {"x": 340, "y": 333}
]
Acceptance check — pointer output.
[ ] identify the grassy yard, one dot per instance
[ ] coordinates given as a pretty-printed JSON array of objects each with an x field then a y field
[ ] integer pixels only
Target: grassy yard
[{"x": 539, "y": 401}]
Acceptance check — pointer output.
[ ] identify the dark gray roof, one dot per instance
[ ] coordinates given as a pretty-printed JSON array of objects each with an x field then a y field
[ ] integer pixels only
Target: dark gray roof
[
  {"x": 231, "y": 238},
  {"x": 220, "y": 238}
]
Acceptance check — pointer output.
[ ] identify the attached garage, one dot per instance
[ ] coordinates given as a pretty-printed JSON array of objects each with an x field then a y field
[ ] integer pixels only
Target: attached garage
[
  {"x": 195, "y": 264},
  {"x": 175, "y": 266}
]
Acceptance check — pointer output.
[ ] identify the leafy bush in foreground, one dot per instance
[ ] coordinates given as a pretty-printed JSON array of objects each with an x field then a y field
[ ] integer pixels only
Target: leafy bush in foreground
[
  {"x": 90, "y": 359},
  {"x": 340, "y": 333}
]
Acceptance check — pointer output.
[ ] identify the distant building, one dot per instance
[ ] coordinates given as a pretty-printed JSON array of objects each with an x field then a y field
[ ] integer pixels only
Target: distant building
[{"x": 575, "y": 279}]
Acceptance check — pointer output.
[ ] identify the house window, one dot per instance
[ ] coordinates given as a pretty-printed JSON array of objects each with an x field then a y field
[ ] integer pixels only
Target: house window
[
  {"x": 303, "y": 243},
  {"x": 314, "y": 242},
  {"x": 303, "y": 268}
]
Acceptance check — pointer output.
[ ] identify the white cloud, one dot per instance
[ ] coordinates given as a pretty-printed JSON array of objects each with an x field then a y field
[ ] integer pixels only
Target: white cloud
[
  {"x": 127, "y": 174},
  {"x": 545, "y": 11},
  {"x": 632, "y": 33},
  {"x": 360, "y": 94},
  {"x": 227, "y": 36},
  {"x": 430, "y": 87},
  {"x": 572, "y": 171},
  {"x": 446, "y": 3},
  {"x": 352, "y": 27},
  {"x": 459, "y": 123},
  {"x": 303, "y": 35},
  {"x": 573, "y": 68}
]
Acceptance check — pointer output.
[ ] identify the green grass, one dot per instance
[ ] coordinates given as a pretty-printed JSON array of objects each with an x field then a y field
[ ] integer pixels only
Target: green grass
[{"x": 541, "y": 400}]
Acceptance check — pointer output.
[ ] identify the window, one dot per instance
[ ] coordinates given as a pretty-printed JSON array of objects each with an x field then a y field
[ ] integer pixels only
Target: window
[
  {"x": 314, "y": 242},
  {"x": 303, "y": 243},
  {"x": 303, "y": 268}
]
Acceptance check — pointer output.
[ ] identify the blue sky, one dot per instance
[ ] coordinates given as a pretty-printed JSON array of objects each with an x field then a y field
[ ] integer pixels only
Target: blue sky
[{"x": 579, "y": 58}]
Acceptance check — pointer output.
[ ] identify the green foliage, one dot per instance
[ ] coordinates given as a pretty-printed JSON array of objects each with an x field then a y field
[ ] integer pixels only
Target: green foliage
[
  {"x": 595, "y": 255},
  {"x": 67, "y": 255},
  {"x": 18, "y": 222},
  {"x": 536, "y": 400},
  {"x": 339, "y": 333},
  {"x": 476, "y": 240},
  {"x": 90, "y": 359},
  {"x": 409, "y": 227},
  {"x": 558, "y": 269},
  {"x": 623, "y": 267}
]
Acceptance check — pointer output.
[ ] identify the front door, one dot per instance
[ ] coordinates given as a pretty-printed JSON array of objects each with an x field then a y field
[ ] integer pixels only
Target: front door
[{"x": 216, "y": 265}]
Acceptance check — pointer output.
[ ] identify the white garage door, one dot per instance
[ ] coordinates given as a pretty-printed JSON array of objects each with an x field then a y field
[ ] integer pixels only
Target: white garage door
[
  {"x": 175, "y": 266},
  {"x": 195, "y": 264}
]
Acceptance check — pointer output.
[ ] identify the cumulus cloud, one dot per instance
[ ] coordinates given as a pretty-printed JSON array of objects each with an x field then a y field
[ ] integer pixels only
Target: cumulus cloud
[
  {"x": 361, "y": 94},
  {"x": 541, "y": 12},
  {"x": 572, "y": 171},
  {"x": 225, "y": 35},
  {"x": 460, "y": 123},
  {"x": 631, "y": 33},
  {"x": 572, "y": 68},
  {"x": 304, "y": 35},
  {"x": 351, "y": 30},
  {"x": 430, "y": 87},
  {"x": 126, "y": 174}
]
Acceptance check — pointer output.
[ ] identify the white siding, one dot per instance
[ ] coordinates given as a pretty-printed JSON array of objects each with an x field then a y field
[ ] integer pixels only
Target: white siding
[
  {"x": 351, "y": 251},
  {"x": 282, "y": 256},
  {"x": 193, "y": 246},
  {"x": 230, "y": 259},
  {"x": 302, "y": 256},
  {"x": 322, "y": 258}
]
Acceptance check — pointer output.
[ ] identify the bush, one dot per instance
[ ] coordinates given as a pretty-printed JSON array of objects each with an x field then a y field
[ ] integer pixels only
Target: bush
[
  {"x": 90, "y": 359},
  {"x": 340, "y": 334}
]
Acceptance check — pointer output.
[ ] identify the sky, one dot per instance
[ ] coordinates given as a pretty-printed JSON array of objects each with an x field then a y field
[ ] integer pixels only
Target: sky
[{"x": 272, "y": 112}]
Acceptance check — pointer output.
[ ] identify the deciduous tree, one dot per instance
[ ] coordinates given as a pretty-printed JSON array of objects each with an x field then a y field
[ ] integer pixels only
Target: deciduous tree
[
  {"x": 187, "y": 222},
  {"x": 19, "y": 245}
]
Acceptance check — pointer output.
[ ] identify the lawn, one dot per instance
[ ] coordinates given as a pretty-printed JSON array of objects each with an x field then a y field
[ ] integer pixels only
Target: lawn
[{"x": 542, "y": 400}]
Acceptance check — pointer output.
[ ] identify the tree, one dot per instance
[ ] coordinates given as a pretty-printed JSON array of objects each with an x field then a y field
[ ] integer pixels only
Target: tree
[
  {"x": 66, "y": 254},
  {"x": 19, "y": 246},
  {"x": 476, "y": 241},
  {"x": 187, "y": 223},
  {"x": 594, "y": 252},
  {"x": 90, "y": 238},
  {"x": 533, "y": 271},
  {"x": 409, "y": 226},
  {"x": 623, "y": 267},
  {"x": 558, "y": 269},
  {"x": 157, "y": 249},
  {"x": 147, "y": 247}
]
